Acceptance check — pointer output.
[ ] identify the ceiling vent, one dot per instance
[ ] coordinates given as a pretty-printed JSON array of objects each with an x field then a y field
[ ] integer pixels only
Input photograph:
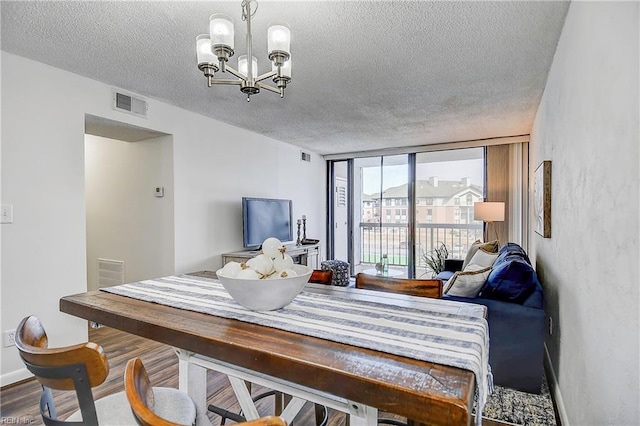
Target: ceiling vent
[{"x": 127, "y": 103}]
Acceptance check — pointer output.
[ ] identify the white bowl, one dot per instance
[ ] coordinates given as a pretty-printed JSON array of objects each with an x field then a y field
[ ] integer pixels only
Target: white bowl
[{"x": 266, "y": 295}]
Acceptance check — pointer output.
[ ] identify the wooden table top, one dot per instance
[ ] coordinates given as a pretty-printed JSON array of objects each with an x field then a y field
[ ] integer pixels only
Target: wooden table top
[{"x": 423, "y": 391}]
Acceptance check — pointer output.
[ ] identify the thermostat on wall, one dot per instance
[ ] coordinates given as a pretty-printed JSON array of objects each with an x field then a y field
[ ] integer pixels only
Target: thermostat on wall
[{"x": 159, "y": 191}]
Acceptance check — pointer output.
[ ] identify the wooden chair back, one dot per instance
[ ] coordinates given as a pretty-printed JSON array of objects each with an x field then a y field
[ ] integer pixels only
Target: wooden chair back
[
  {"x": 33, "y": 345},
  {"x": 410, "y": 286},
  {"x": 321, "y": 276},
  {"x": 140, "y": 395},
  {"x": 78, "y": 367}
]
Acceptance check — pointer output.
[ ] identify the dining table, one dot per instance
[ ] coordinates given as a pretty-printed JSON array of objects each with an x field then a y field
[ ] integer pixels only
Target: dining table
[{"x": 341, "y": 375}]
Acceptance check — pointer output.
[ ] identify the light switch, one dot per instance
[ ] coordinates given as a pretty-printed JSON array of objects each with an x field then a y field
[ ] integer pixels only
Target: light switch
[
  {"x": 6, "y": 213},
  {"x": 159, "y": 191}
]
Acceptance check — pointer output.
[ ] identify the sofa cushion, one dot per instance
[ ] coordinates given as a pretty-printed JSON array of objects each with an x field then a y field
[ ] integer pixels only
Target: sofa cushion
[
  {"x": 490, "y": 247},
  {"x": 445, "y": 276},
  {"x": 469, "y": 282},
  {"x": 510, "y": 251},
  {"x": 482, "y": 258},
  {"x": 511, "y": 280}
]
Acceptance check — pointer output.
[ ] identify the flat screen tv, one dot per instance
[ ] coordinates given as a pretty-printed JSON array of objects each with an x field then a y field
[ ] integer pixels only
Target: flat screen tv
[{"x": 266, "y": 217}]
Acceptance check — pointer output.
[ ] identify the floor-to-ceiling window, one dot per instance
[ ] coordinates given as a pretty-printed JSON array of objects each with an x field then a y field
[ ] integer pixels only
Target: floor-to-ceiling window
[
  {"x": 447, "y": 185},
  {"x": 380, "y": 214},
  {"x": 405, "y": 206}
]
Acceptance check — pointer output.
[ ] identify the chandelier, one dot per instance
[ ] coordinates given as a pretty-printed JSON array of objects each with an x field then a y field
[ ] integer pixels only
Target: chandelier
[{"x": 215, "y": 49}]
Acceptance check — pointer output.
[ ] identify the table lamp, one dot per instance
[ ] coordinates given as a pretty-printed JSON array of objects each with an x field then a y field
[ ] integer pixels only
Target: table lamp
[{"x": 489, "y": 212}]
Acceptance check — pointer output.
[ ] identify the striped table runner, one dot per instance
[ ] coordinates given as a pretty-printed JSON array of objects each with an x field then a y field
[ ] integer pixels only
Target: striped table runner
[{"x": 444, "y": 336}]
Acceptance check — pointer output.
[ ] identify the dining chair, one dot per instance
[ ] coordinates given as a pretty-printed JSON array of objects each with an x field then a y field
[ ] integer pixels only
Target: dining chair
[
  {"x": 411, "y": 286},
  {"x": 144, "y": 400},
  {"x": 80, "y": 368},
  {"x": 321, "y": 276}
]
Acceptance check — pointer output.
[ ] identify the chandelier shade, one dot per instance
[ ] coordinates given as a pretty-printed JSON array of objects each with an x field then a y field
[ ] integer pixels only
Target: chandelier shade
[
  {"x": 279, "y": 39},
  {"x": 213, "y": 51},
  {"x": 285, "y": 69},
  {"x": 243, "y": 66},
  {"x": 205, "y": 55},
  {"x": 221, "y": 30}
]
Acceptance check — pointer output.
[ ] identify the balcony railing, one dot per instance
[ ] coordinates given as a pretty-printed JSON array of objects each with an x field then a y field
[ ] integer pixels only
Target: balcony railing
[{"x": 392, "y": 239}]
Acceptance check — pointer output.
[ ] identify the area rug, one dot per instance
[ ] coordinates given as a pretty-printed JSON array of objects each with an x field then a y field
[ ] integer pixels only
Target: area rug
[{"x": 520, "y": 408}]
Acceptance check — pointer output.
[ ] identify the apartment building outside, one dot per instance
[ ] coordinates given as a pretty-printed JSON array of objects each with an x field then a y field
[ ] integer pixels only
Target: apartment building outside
[{"x": 443, "y": 214}]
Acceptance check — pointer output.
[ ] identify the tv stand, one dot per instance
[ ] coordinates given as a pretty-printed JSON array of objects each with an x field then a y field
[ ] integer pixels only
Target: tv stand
[{"x": 308, "y": 254}]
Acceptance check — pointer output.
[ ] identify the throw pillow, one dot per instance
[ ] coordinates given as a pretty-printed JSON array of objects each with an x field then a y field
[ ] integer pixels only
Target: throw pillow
[
  {"x": 490, "y": 247},
  {"x": 511, "y": 281},
  {"x": 482, "y": 258},
  {"x": 511, "y": 251},
  {"x": 469, "y": 282}
]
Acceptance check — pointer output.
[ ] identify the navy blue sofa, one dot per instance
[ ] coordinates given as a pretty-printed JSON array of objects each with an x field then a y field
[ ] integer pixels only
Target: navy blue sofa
[{"x": 515, "y": 302}]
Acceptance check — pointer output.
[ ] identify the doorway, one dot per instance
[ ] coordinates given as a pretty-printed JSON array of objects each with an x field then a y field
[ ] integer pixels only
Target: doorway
[{"x": 129, "y": 203}]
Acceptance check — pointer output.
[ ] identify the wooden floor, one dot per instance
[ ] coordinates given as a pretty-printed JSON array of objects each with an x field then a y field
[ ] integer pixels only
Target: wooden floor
[{"x": 19, "y": 403}]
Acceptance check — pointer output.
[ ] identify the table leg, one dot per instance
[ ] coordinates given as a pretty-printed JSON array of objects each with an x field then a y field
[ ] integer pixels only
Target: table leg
[
  {"x": 249, "y": 409},
  {"x": 192, "y": 379},
  {"x": 292, "y": 409},
  {"x": 362, "y": 415},
  {"x": 192, "y": 367}
]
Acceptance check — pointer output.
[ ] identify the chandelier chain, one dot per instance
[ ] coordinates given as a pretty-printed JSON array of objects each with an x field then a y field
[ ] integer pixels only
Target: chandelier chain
[{"x": 254, "y": 8}]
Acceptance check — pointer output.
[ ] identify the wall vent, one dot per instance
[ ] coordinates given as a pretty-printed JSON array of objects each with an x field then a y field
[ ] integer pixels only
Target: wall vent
[
  {"x": 305, "y": 156},
  {"x": 127, "y": 103},
  {"x": 110, "y": 272}
]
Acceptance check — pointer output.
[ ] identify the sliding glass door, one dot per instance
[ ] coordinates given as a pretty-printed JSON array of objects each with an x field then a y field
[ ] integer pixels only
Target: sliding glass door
[
  {"x": 403, "y": 207},
  {"x": 380, "y": 214},
  {"x": 447, "y": 185}
]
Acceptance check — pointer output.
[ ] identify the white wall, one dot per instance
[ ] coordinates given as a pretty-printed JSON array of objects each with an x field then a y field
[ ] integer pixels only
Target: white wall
[
  {"x": 588, "y": 126},
  {"x": 125, "y": 220},
  {"x": 43, "y": 251}
]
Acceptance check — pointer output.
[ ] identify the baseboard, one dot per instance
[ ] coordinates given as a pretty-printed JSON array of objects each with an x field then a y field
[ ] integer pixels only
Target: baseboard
[
  {"x": 14, "y": 377},
  {"x": 554, "y": 388}
]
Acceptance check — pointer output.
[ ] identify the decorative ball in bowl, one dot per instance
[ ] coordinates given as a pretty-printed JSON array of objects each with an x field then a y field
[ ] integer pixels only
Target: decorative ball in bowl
[{"x": 265, "y": 294}]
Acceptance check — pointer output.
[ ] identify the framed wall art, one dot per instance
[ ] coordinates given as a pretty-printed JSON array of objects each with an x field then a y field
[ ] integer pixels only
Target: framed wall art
[{"x": 542, "y": 199}]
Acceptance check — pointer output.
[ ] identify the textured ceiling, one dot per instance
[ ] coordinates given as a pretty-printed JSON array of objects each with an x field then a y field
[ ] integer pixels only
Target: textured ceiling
[{"x": 366, "y": 75}]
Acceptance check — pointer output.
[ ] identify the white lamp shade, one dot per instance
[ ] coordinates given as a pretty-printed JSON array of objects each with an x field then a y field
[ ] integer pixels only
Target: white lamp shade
[
  {"x": 221, "y": 30},
  {"x": 489, "y": 211},
  {"x": 285, "y": 69},
  {"x": 279, "y": 39},
  {"x": 203, "y": 50},
  {"x": 243, "y": 66}
]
